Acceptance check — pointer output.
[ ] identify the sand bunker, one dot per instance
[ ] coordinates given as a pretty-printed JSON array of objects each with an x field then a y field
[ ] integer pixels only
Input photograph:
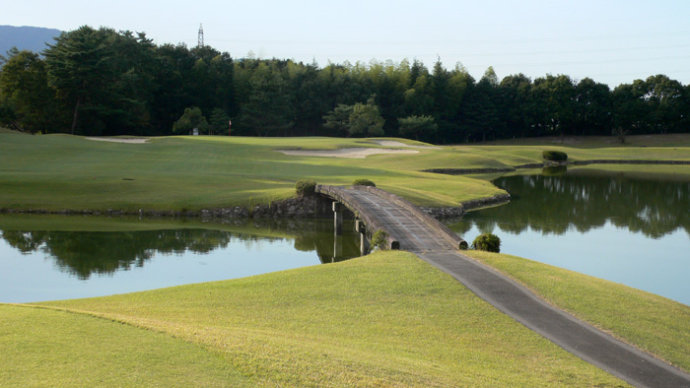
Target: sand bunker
[
  {"x": 354, "y": 153},
  {"x": 120, "y": 140},
  {"x": 393, "y": 143}
]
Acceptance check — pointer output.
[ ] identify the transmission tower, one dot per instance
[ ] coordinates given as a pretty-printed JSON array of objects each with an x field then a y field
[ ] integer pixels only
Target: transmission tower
[{"x": 200, "y": 43}]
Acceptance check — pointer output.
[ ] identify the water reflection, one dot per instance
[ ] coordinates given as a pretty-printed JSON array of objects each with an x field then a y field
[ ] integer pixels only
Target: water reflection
[
  {"x": 556, "y": 202},
  {"x": 83, "y": 253}
]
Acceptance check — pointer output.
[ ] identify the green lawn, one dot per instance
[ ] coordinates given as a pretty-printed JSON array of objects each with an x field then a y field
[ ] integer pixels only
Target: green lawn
[
  {"x": 651, "y": 322},
  {"x": 45, "y": 348},
  {"x": 55, "y": 172},
  {"x": 388, "y": 319}
]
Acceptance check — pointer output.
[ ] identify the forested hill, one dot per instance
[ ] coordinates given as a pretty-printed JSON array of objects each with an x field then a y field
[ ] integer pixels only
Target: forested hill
[
  {"x": 104, "y": 82},
  {"x": 26, "y": 38}
]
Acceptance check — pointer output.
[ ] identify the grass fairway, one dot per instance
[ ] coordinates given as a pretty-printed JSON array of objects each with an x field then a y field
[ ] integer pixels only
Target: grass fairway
[
  {"x": 56, "y": 172},
  {"x": 388, "y": 319}
]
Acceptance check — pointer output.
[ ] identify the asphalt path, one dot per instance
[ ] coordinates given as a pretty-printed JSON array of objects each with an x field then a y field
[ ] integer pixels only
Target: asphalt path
[{"x": 578, "y": 337}]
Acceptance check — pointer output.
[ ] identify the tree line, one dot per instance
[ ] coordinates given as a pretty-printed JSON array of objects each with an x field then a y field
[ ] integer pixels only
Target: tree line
[{"x": 104, "y": 82}]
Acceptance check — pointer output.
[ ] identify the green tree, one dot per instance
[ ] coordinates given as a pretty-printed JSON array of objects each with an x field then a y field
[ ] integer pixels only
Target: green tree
[
  {"x": 339, "y": 119},
  {"x": 356, "y": 120},
  {"x": 191, "y": 118},
  {"x": 366, "y": 120},
  {"x": 630, "y": 110},
  {"x": 268, "y": 110},
  {"x": 665, "y": 101},
  {"x": 514, "y": 104},
  {"x": 80, "y": 68},
  {"x": 307, "y": 89},
  {"x": 28, "y": 101},
  {"x": 218, "y": 122},
  {"x": 130, "y": 96},
  {"x": 481, "y": 114},
  {"x": 592, "y": 108},
  {"x": 553, "y": 97},
  {"x": 417, "y": 127}
]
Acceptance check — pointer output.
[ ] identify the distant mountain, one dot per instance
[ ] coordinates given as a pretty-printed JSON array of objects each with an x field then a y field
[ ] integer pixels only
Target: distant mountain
[{"x": 26, "y": 38}]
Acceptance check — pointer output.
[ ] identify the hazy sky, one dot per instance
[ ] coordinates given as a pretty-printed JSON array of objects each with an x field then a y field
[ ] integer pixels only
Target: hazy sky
[{"x": 611, "y": 41}]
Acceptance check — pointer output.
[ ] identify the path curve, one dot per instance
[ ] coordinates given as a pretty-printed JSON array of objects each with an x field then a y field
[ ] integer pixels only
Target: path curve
[{"x": 419, "y": 236}]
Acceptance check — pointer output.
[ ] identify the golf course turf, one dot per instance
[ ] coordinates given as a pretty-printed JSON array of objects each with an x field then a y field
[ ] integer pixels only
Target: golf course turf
[{"x": 387, "y": 319}]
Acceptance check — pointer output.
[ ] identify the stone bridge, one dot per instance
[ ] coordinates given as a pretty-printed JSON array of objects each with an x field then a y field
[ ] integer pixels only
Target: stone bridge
[{"x": 406, "y": 225}]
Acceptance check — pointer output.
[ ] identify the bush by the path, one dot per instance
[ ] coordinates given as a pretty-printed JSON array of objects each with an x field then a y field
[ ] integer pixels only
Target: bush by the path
[
  {"x": 305, "y": 187},
  {"x": 487, "y": 242},
  {"x": 363, "y": 182},
  {"x": 378, "y": 240}
]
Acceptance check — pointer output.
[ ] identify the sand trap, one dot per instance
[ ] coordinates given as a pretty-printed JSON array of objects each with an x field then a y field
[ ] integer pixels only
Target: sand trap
[
  {"x": 120, "y": 140},
  {"x": 393, "y": 143},
  {"x": 353, "y": 153}
]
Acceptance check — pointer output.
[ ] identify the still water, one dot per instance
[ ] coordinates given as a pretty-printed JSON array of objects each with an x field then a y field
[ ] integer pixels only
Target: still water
[
  {"x": 634, "y": 231},
  {"x": 629, "y": 230},
  {"x": 50, "y": 257}
]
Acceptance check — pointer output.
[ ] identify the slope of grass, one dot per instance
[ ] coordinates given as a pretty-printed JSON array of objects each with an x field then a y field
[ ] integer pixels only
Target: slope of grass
[
  {"x": 386, "y": 319},
  {"x": 651, "y": 322},
  {"x": 44, "y": 348}
]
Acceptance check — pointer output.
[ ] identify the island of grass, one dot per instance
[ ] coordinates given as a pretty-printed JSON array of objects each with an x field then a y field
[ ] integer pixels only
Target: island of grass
[{"x": 387, "y": 319}]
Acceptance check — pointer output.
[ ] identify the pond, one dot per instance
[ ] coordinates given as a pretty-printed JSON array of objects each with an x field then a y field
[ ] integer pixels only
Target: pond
[
  {"x": 626, "y": 229},
  {"x": 634, "y": 231},
  {"x": 65, "y": 257}
]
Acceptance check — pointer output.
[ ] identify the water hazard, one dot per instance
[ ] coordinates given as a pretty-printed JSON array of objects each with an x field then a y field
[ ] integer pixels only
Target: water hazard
[
  {"x": 634, "y": 231},
  {"x": 51, "y": 257}
]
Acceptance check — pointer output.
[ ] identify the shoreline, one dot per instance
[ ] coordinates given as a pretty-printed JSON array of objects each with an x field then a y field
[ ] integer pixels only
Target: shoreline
[
  {"x": 311, "y": 206},
  {"x": 469, "y": 171},
  {"x": 296, "y": 207}
]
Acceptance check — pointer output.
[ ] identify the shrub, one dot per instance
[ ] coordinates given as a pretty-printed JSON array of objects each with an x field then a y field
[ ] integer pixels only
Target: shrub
[
  {"x": 305, "y": 187},
  {"x": 554, "y": 156},
  {"x": 363, "y": 182},
  {"x": 487, "y": 242},
  {"x": 379, "y": 239}
]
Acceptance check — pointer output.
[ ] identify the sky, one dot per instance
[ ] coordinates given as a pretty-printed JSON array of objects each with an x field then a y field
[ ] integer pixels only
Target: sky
[{"x": 610, "y": 41}]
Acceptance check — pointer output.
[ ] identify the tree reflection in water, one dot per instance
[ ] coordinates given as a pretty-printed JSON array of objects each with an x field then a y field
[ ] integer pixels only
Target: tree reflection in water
[
  {"x": 83, "y": 253},
  {"x": 554, "y": 203}
]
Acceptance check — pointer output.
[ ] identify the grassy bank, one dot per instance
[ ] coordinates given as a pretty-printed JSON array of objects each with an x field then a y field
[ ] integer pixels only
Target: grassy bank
[
  {"x": 56, "y": 172},
  {"x": 650, "y": 322},
  {"x": 44, "y": 348},
  {"x": 387, "y": 319}
]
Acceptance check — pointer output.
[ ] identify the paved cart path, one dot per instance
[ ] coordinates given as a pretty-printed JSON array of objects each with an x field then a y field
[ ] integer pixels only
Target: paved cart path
[{"x": 423, "y": 236}]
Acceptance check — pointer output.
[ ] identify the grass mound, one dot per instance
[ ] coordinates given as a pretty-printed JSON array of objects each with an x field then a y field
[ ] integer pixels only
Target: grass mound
[
  {"x": 46, "y": 348},
  {"x": 386, "y": 319}
]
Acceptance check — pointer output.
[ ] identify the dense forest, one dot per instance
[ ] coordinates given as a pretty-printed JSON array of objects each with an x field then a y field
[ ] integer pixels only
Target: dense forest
[{"x": 103, "y": 82}]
